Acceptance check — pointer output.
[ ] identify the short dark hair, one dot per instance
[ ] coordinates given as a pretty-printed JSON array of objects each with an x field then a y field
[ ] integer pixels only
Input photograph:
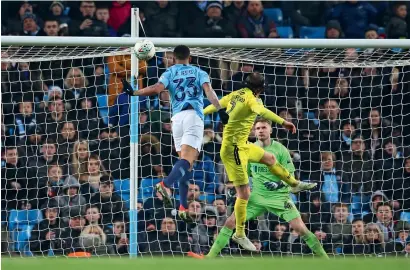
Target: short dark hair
[
  {"x": 380, "y": 204},
  {"x": 182, "y": 52},
  {"x": 263, "y": 120},
  {"x": 49, "y": 141},
  {"x": 357, "y": 220},
  {"x": 106, "y": 180},
  {"x": 339, "y": 205},
  {"x": 256, "y": 82}
]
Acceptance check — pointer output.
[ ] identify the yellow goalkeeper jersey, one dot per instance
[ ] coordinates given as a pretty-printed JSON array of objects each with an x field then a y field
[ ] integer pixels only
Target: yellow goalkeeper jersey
[{"x": 242, "y": 107}]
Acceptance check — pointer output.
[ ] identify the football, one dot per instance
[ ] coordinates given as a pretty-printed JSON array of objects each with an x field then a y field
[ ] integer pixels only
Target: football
[{"x": 144, "y": 50}]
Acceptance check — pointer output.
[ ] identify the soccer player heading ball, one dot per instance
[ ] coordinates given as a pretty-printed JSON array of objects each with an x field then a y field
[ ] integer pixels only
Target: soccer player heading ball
[
  {"x": 185, "y": 84},
  {"x": 243, "y": 106},
  {"x": 269, "y": 194}
]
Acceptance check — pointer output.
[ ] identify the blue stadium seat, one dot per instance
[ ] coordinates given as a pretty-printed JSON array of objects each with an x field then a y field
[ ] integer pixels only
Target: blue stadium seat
[
  {"x": 285, "y": 31},
  {"x": 102, "y": 101},
  {"x": 405, "y": 216},
  {"x": 147, "y": 187},
  {"x": 123, "y": 187},
  {"x": 312, "y": 32},
  {"x": 275, "y": 14},
  {"x": 19, "y": 218}
]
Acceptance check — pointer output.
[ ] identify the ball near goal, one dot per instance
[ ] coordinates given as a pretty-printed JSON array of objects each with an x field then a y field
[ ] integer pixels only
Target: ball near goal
[{"x": 144, "y": 50}]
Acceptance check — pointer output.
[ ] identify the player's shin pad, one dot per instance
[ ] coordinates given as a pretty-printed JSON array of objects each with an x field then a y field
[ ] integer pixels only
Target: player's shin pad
[{"x": 284, "y": 174}]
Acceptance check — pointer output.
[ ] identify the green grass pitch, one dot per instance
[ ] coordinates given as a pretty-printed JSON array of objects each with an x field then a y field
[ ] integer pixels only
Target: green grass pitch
[{"x": 215, "y": 264}]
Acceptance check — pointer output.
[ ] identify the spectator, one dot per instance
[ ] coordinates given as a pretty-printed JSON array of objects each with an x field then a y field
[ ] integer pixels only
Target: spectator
[
  {"x": 50, "y": 233},
  {"x": 30, "y": 26},
  {"x": 203, "y": 234},
  {"x": 192, "y": 11},
  {"x": 112, "y": 149},
  {"x": 31, "y": 144},
  {"x": 376, "y": 244},
  {"x": 194, "y": 192},
  {"x": 66, "y": 139},
  {"x": 401, "y": 229},
  {"x": 384, "y": 216},
  {"x": 102, "y": 13},
  {"x": 118, "y": 115},
  {"x": 212, "y": 144},
  {"x": 168, "y": 240},
  {"x": 55, "y": 180},
  {"x": 346, "y": 135},
  {"x": 95, "y": 170},
  {"x": 354, "y": 17},
  {"x": 255, "y": 24},
  {"x": 120, "y": 238},
  {"x": 278, "y": 237},
  {"x": 51, "y": 27},
  {"x": 94, "y": 240},
  {"x": 161, "y": 112},
  {"x": 54, "y": 116},
  {"x": 162, "y": 17},
  {"x": 221, "y": 210},
  {"x": 40, "y": 164},
  {"x": 333, "y": 30},
  {"x": 356, "y": 244},
  {"x": 25, "y": 118},
  {"x": 70, "y": 199},
  {"x": 89, "y": 121},
  {"x": 234, "y": 11},
  {"x": 150, "y": 157},
  {"x": 120, "y": 12},
  {"x": 57, "y": 11},
  {"x": 371, "y": 32},
  {"x": 399, "y": 186},
  {"x": 330, "y": 125},
  {"x": 14, "y": 179},
  {"x": 376, "y": 198},
  {"x": 79, "y": 157},
  {"x": 358, "y": 166},
  {"x": 340, "y": 228},
  {"x": 14, "y": 25},
  {"x": 397, "y": 26},
  {"x": 195, "y": 210},
  {"x": 76, "y": 88},
  {"x": 317, "y": 209},
  {"x": 331, "y": 181},
  {"x": 214, "y": 23},
  {"x": 111, "y": 206},
  {"x": 87, "y": 25}
]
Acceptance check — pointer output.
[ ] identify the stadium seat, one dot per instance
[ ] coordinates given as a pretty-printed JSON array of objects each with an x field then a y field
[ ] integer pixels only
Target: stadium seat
[
  {"x": 274, "y": 14},
  {"x": 147, "y": 187},
  {"x": 123, "y": 187},
  {"x": 285, "y": 31},
  {"x": 19, "y": 218},
  {"x": 102, "y": 101},
  {"x": 312, "y": 32},
  {"x": 405, "y": 216}
]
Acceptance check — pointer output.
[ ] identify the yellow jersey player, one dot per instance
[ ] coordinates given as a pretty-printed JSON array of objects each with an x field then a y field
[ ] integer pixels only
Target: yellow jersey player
[{"x": 243, "y": 106}]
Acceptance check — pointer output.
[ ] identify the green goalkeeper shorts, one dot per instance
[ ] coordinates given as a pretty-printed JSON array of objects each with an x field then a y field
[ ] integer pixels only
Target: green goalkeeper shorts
[{"x": 280, "y": 205}]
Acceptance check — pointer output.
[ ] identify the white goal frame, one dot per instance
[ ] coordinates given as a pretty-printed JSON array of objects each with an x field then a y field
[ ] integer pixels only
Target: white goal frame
[{"x": 191, "y": 42}]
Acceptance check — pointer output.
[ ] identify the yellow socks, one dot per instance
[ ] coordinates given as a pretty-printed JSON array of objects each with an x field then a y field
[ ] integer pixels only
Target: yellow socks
[
  {"x": 284, "y": 174},
  {"x": 240, "y": 215}
]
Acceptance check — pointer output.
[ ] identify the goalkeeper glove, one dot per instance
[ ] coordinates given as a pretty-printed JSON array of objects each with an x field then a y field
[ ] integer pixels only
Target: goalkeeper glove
[
  {"x": 127, "y": 88},
  {"x": 223, "y": 116},
  {"x": 273, "y": 185}
]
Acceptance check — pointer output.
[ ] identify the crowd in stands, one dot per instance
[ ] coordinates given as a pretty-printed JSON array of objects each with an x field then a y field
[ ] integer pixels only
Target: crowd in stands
[{"x": 66, "y": 146}]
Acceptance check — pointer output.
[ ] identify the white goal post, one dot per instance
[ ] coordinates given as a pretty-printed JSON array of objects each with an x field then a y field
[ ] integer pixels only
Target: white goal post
[{"x": 299, "y": 53}]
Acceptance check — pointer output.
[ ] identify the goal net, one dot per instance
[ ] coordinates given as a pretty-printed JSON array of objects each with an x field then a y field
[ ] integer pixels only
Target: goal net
[{"x": 66, "y": 152}]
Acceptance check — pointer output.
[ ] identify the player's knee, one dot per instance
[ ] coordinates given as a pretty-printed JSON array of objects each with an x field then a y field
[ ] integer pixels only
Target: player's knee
[
  {"x": 269, "y": 159},
  {"x": 230, "y": 222}
]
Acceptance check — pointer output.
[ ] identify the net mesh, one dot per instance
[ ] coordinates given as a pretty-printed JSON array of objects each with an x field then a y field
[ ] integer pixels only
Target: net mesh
[{"x": 66, "y": 151}]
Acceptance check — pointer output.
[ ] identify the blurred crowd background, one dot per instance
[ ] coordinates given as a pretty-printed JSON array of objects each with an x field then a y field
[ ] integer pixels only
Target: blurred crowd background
[{"x": 65, "y": 131}]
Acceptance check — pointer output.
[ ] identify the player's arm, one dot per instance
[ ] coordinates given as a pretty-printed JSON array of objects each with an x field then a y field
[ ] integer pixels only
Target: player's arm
[
  {"x": 268, "y": 114},
  {"x": 211, "y": 95},
  {"x": 223, "y": 102},
  {"x": 147, "y": 91}
]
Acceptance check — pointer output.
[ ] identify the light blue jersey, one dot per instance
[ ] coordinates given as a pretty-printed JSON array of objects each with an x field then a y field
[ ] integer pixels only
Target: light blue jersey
[{"x": 184, "y": 83}]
